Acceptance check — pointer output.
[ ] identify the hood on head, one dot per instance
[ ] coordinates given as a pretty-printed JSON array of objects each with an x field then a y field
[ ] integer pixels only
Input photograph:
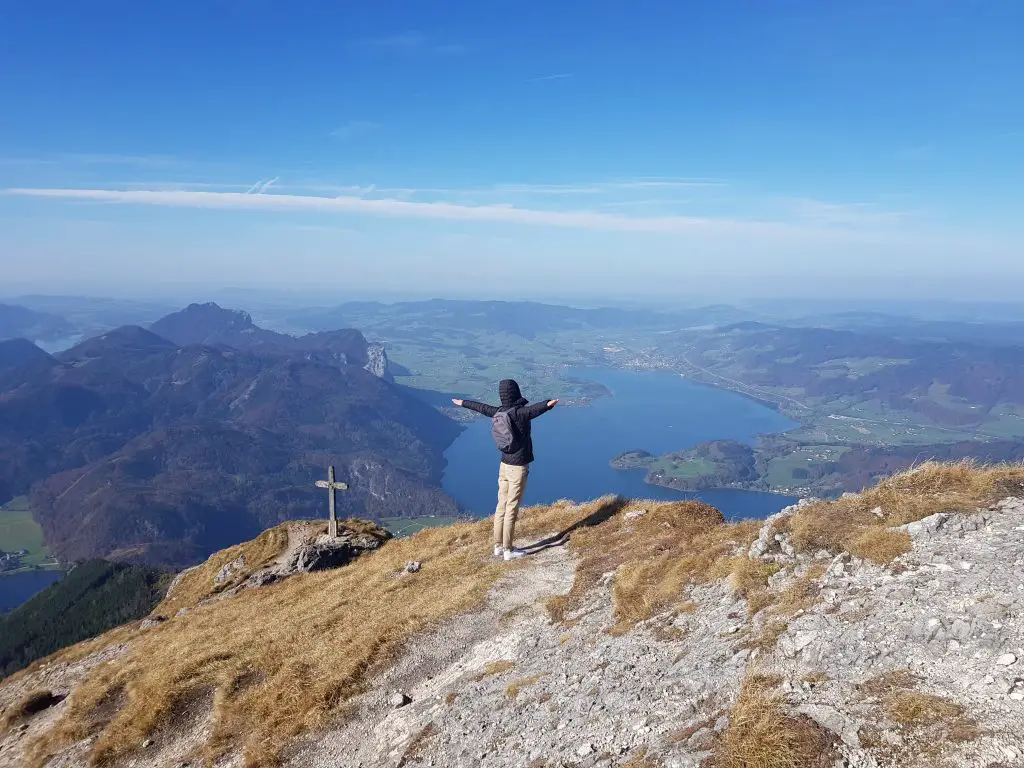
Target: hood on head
[{"x": 508, "y": 389}]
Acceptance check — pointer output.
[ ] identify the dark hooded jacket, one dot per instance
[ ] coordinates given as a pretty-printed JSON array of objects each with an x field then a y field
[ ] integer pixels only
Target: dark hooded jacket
[{"x": 522, "y": 413}]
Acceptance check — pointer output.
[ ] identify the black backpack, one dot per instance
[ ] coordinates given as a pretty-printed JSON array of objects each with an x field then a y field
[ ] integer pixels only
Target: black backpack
[{"x": 503, "y": 430}]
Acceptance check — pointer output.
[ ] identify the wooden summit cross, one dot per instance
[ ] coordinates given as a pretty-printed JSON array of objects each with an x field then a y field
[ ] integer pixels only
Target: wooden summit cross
[{"x": 332, "y": 486}]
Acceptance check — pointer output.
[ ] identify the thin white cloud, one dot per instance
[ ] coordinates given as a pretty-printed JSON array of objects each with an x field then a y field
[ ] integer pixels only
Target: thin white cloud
[
  {"x": 354, "y": 128},
  {"x": 395, "y": 208},
  {"x": 670, "y": 183},
  {"x": 588, "y": 189},
  {"x": 557, "y": 76},
  {"x": 846, "y": 214},
  {"x": 262, "y": 186},
  {"x": 605, "y": 187},
  {"x": 651, "y": 202}
]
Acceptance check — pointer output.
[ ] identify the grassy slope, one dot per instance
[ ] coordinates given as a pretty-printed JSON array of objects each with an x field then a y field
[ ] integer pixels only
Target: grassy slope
[
  {"x": 407, "y": 526},
  {"x": 263, "y": 650}
]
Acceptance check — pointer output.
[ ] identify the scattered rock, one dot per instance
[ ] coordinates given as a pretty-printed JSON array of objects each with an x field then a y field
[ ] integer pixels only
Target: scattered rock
[
  {"x": 412, "y": 566},
  {"x": 147, "y": 744},
  {"x": 263, "y": 578},
  {"x": 1006, "y": 660},
  {"x": 792, "y": 645},
  {"x": 585, "y": 749},
  {"x": 152, "y": 621},
  {"x": 229, "y": 570},
  {"x": 399, "y": 700},
  {"x": 634, "y": 514}
]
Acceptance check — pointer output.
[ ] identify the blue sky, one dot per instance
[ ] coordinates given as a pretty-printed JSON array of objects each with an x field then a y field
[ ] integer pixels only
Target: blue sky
[{"x": 527, "y": 149}]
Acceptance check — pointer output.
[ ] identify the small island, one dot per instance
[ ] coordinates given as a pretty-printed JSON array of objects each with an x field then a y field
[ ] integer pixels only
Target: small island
[{"x": 714, "y": 464}]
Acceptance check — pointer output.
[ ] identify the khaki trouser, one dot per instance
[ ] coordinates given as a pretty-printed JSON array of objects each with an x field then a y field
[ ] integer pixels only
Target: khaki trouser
[{"x": 511, "y": 485}]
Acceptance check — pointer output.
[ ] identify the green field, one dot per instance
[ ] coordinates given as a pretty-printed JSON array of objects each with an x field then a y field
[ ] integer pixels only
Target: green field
[
  {"x": 19, "y": 531},
  {"x": 684, "y": 468},
  {"x": 779, "y": 471},
  {"x": 471, "y": 364}
]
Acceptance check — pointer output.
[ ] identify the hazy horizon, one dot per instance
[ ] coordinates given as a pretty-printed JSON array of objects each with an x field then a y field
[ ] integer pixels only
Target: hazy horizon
[
  {"x": 738, "y": 151},
  {"x": 254, "y": 299}
]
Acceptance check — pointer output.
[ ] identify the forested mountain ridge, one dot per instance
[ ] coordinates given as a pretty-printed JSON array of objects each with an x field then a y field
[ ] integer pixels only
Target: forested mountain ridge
[
  {"x": 132, "y": 446},
  {"x": 93, "y": 597},
  {"x": 17, "y": 352}
]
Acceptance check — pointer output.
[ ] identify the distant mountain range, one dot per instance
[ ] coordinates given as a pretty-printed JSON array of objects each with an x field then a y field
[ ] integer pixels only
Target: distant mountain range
[
  {"x": 210, "y": 324},
  {"x": 520, "y": 318},
  {"x": 135, "y": 446},
  {"x": 21, "y": 322},
  {"x": 827, "y": 364}
]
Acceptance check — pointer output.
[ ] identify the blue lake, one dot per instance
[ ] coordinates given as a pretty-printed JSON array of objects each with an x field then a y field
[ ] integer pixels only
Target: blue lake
[
  {"x": 18, "y": 588},
  {"x": 653, "y": 411}
]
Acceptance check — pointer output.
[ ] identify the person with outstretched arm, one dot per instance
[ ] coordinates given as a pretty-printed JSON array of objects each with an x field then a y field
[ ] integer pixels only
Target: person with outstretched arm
[{"x": 510, "y": 425}]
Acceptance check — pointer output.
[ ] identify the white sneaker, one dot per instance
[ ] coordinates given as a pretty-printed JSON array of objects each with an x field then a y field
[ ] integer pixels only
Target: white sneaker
[
  {"x": 498, "y": 550},
  {"x": 514, "y": 554}
]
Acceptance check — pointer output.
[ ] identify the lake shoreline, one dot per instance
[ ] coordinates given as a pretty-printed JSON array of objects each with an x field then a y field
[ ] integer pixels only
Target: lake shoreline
[
  {"x": 660, "y": 410},
  {"x": 749, "y": 487}
]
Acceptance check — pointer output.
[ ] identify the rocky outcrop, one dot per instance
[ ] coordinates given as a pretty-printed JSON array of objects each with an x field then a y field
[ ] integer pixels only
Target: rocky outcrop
[
  {"x": 323, "y": 552},
  {"x": 377, "y": 361},
  {"x": 308, "y": 549}
]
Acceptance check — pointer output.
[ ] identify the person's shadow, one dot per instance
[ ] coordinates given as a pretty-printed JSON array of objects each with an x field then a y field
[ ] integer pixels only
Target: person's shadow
[{"x": 604, "y": 512}]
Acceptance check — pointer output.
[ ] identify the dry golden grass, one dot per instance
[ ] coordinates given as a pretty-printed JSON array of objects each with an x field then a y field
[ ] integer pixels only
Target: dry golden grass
[
  {"x": 494, "y": 668},
  {"x": 801, "y": 593},
  {"x": 768, "y": 635},
  {"x": 196, "y": 584},
  {"x": 929, "y": 723},
  {"x": 916, "y": 709},
  {"x": 763, "y": 681},
  {"x": 749, "y": 579},
  {"x": 668, "y": 633},
  {"x": 514, "y": 688},
  {"x": 643, "y": 759},
  {"x": 880, "y": 545},
  {"x": 654, "y": 556},
  {"x": 848, "y": 524},
  {"x": 815, "y": 677},
  {"x": 280, "y": 659},
  {"x": 759, "y": 600},
  {"x": 750, "y": 575},
  {"x": 762, "y": 735},
  {"x": 888, "y": 682}
]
